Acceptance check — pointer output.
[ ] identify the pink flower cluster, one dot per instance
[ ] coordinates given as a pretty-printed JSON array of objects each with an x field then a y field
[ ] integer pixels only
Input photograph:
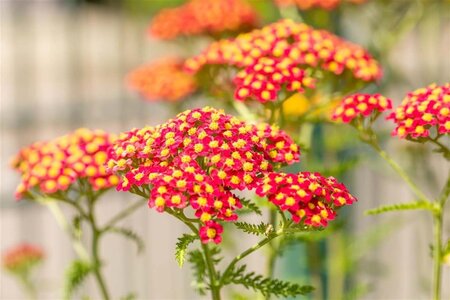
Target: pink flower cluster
[
  {"x": 197, "y": 159},
  {"x": 274, "y": 57},
  {"x": 55, "y": 165},
  {"x": 309, "y": 4},
  {"x": 422, "y": 110},
  {"x": 360, "y": 105},
  {"x": 309, "y": 197},
  {"x": 22, "y": 258}
]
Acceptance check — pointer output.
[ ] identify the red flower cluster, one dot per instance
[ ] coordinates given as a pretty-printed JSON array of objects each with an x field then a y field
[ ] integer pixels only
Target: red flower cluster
[
  {"x": 323, "y": 4},
  {"x": 309, "y": 197},
  {"x": 421, "y": 110},
  {"x": 197, "y": 159},
  {"x": 162, "y": 80},
  {"x": 203, "y": 17},
  {"x": 270, "y": 59},
  {"x": 54, "y": 165},
  {"x": 21, "y": 258},
  {"x": 360, "y": 105}
]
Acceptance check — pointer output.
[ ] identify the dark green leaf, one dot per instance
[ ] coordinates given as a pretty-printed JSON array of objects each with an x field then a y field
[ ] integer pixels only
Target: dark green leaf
[
  {"x": 250, "y": 205},
  {"x": 419, "y": 205},
  {"x": 199, "y": 269},
  {"x": 256, "y": 229}
]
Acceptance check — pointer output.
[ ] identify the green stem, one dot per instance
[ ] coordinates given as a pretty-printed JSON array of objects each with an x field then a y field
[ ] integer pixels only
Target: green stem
[
  {"x": 445, "y": 149},
  {"x": 372, "y": 142},
  {"x": 437, "y": 249},
  {"x": 214, "y": 280},
  {"x": 124, "y": 213},
  {"x": 28, "y": 286},
  {"x": 248, "y": 252},
  {"x": 96, "y": 234}
]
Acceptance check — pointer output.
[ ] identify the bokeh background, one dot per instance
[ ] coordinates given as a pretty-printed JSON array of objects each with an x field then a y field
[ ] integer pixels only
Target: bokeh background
[{"x": 63, "y": 65}]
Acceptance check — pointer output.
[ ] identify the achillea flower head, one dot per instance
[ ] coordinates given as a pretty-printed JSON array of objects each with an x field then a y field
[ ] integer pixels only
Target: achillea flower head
[
  {"x": 162, "y": 80},
  {"x": 203, "y": 17},
  {"x": 276, "y": 56},
  {"x": 360, "y": 105},
  {"x": 323, "y": 4},
  {"x": 22, "y": 258},
  {"x": 196, "y": 159},
  {"x": 309, "y": 197},
  {"x": 55, "y": 165},
  {"x": 422, "y": 110}
]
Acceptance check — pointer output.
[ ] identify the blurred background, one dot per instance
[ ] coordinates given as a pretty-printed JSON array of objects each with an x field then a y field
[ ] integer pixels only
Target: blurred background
[{"x": 63, "y": 65}]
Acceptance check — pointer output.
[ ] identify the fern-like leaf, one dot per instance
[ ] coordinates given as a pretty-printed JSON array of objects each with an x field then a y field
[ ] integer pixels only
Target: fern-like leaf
[
  {"x": 251, "y": 206},
  {"x": 181, "y": 248},
  {"x": 76, "y": 273},
  {"x": 414, "y": 205},
  {"x": 198, "y": 266},
  {"x": 130, "y": 234},
  {"x": 267, "y": 286},
  {"x": 256, "y": 229}
]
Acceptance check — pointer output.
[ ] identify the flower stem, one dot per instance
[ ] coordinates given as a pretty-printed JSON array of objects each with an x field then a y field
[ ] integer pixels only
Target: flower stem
[
  {"x": 124, "y": 213},
  {"x": 373, "y": 142},
  {"x": 214, "y": 282},
  {"x": 437, "y": 249}
]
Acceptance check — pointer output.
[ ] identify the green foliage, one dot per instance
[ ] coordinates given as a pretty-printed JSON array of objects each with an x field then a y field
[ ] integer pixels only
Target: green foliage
[
  {"x": 130, "y": 296},
  {"x": 256, "y": 229},
  {"x": 199, "y": 269},
  {"x": 76, "y": 273},
  {"x": 267, "y": 286},
  {"x": 76, "y": 223},
  {"x": 181, "y": 247},
  {"x": 129, "y": 234},
  {"x": 413, "y": 205},
  {"x": 251, "y": 206}
]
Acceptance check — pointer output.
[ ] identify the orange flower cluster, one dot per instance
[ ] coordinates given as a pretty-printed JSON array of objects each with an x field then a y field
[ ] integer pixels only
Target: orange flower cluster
[
  {"x": 360, "y": 105},
  {"x": 162, "y": 80},
  {"x": 422, "y": 110},
  {"x": 309, "y": 197},
  {"x": 203, "y": 17},
  {"x": 271, "y": 58},
  {"x": 197, "y": 159},
  {"x": 54, "y": 165},
  {"x": 309, "y": 4},
  {"x": 22, "y": 258}
]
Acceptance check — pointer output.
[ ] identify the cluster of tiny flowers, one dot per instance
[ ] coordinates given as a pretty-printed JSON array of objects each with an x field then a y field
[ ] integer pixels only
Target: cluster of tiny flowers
[
  {"x": 21, "y": 258},
  {"x": 203, "y": 17},
  {"x": 162, "y": 80},
  {"x": 271, "y": 58},
  {"x": 309, "y": 197},
  {"x": 54, "y": 165},
  {"x": 421, "y": 110},
  {"x": 360, "y": 105},
  {"x": 309, "y": 4},
  {"x": 197, "y": 159}
]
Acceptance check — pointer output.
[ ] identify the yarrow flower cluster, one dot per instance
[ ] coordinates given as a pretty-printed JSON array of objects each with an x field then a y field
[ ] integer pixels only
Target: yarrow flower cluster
[
  {"x": 276, "y": 57},
  {"x": 22, "y": 258},
  {"x": 360, "y": 105},
  {"x": 162, "y": 80},
  {"x": 203, "y": 17},
  {"x": 55, "y": 165},
  {"x": 422, "y": 110},
  {"x": 197, "y": 159},
  {"x": 309, "y": 197},
  {"x": 323, "y": 4}
]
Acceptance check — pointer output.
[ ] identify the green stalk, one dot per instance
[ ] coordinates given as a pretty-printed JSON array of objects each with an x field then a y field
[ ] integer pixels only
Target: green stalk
[
  {"x": 28, "y": 286},
  {"x": 124, "y": 213},
  {"x": 214, "y": 281},
  {"x": 437, "y": 250}
]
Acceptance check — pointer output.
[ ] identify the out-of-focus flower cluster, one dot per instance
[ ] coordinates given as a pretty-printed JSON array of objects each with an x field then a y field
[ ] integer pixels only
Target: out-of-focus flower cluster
[
  {"x": 422, "y": 110},
  {"x": 360, "y": 105},
  {"x": 162, "y": 80},
  {"x": 309, "y": 197},
  {"x": 196, "y": 160},
  {"x": 276, "y": 56},
  {"x": 323, "y": 4},
  {"x": 22, "y": 258},
  {"x": 203, "y": 17},
  {"x": 54, "y": 165}
]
